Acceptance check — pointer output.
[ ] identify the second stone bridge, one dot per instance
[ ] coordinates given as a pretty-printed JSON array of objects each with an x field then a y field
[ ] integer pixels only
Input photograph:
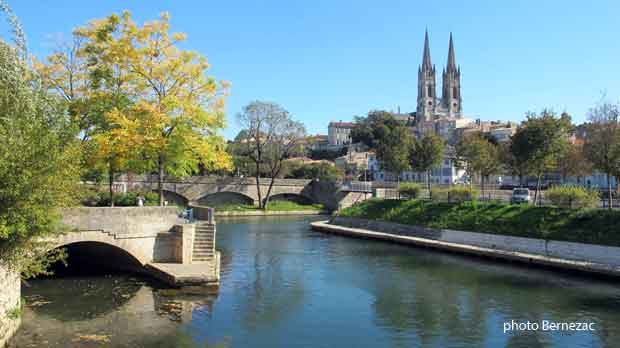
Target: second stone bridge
[{"x": 210, "y": 190}]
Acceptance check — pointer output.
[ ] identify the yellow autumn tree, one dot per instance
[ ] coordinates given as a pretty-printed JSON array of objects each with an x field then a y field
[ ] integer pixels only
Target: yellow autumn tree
[
  {"x": 90, "y": 87},
  {"x": 176, "y": 109}
]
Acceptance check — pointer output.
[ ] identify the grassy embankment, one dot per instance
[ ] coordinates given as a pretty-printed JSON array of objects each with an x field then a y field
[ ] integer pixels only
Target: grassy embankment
[
  {"x": 278, "y": 205},
  {"x": 593, "y": 226}
]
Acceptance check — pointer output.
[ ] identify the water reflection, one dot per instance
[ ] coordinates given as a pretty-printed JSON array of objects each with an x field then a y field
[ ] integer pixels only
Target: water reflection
[
  {"x": 286, "y": 286},
  {"x": 110, "y": 311}
]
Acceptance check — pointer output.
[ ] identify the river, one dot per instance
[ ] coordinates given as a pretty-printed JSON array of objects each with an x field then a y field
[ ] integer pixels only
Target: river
[{"x": 284, "y": 285}]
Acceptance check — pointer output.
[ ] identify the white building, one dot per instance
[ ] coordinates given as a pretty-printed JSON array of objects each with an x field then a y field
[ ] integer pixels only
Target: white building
[
  {"x": 445, "y": 173},
  {"x": 339, "y": 133}
]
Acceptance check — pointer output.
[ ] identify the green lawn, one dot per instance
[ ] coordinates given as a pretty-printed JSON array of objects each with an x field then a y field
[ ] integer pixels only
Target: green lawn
[
  {"x": 594, "y": 226},
  {"x": 278, "y": 205}
]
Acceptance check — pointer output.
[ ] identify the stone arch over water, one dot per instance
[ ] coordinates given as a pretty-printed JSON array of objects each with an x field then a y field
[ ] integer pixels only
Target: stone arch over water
[
  {"x": 225, "y": 198},
  {"x": 174, "y": 198},
  {"x": 104, "y": 240},
  {"x": 291, "y": 197}
]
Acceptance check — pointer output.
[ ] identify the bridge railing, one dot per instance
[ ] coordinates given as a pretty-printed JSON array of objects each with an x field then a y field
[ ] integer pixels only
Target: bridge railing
[{"x": 357, "y": 186}]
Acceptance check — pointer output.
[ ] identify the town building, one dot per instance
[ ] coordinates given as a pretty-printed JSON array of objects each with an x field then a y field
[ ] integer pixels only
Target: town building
[{"x": 339, "y": 133}]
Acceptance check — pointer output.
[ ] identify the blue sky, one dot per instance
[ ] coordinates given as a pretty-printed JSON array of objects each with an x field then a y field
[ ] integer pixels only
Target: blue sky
[{"x": 333, "y": 59}]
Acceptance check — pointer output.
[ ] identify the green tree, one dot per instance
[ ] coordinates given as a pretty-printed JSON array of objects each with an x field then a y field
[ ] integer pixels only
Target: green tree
[
  {"x": 540, "y": 142},
  {"x": 370, "y": 129},
  {"x": 39, "y": 166},
  {"x": 392, "y": 148},
  {"x": 574, "y": 163},
  {"x": 478, "y": 156},
  {"x": 323, "y": 171},
  {"x": 426, "y": 154},
  {"x": 390, "y": 139},
  {"x": 602, "y": 146}
]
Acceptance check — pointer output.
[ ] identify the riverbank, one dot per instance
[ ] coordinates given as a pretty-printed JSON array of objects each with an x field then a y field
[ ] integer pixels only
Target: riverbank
[
  {"x": 597, "y": 259},
  {"x": 258, "y": 212},
  {"x": 274, "y": 208},
  {"x": 589, "y": 226}
]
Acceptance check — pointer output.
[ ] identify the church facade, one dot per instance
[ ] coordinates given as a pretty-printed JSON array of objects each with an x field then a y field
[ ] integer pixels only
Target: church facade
[{"x": 430, "y": 107}]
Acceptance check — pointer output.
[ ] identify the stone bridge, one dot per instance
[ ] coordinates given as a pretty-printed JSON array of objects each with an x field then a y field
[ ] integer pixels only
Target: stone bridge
[
  {"x": 153, "y": 240},
  {"x": 210, "y": 190}
]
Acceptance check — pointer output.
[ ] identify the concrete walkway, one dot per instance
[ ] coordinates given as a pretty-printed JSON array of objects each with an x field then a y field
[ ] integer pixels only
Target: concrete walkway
[
  {"x": 176, "y": 274},
  {"x": 572, "y": 265}
]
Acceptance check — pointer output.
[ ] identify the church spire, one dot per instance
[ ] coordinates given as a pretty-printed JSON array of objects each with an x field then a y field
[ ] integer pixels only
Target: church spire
[
  {"x": 451, "y": 60},
  {"x": 426, "y": 63}
]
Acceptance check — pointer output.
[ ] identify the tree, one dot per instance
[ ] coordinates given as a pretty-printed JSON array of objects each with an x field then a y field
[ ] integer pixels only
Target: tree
[
  {"x": 602, "y": 145},
  {"x": 370, "y": 129},
  {"x": 539, "y": 143},
  {"x": 426, "y": 154},
  {"x": 91, "y": 87},
  {"x": 510, "y": 163},
  {"x": 268, "y": 138},
  {"x": 389, "y": 138},
  {"x": 477, "y": 155},
  {"x": 324, "y": 171},
  {"x": 573, "y": 162},
  {"x": 392, "y": 148},
  {"x": 176, "y": 109},
  {"x": 39, "y": 166}
]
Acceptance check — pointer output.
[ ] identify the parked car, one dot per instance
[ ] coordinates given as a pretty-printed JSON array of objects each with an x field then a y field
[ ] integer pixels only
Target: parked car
[{"x": 520, "y": 195}]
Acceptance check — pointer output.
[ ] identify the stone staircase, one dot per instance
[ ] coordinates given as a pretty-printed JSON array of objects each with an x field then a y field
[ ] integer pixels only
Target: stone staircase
[{"x": 204, "y": 242}]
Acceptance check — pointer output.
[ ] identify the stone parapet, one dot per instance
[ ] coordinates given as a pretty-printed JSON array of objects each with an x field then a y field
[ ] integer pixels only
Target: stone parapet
[{"x": 10, "y": 304}]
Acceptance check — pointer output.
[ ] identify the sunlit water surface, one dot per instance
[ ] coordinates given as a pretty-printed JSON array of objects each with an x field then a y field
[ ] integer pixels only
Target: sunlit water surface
[{"x": 286, "y": 286}]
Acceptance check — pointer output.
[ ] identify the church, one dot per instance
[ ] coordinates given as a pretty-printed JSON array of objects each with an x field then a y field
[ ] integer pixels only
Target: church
[{"x": 429, "y": 106}]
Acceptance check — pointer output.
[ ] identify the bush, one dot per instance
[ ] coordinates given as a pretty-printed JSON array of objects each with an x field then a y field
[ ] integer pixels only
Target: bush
[
  {"x": 454, "y": 194},
  {"x": 573, "y": 197},
  {"x": 323, "y": 171},
  {"x": 95, "y": 198},
  {"x": 410, "y": 190}
]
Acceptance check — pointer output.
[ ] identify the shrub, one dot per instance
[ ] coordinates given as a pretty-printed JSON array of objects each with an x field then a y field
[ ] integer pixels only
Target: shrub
[
  {"x": 454, "y": 194},
  {"x": 94, "y": 198},
  {"x": 410, "y": 190},
  {"x": 573, "y": 197}
]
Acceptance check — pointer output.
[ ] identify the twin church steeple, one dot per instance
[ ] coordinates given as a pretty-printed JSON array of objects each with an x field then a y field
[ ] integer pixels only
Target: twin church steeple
[{"x": 429, "y": 106}]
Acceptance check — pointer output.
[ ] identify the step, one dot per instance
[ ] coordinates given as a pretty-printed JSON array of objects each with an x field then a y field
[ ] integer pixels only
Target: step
[{"x": 203, "y": 246}]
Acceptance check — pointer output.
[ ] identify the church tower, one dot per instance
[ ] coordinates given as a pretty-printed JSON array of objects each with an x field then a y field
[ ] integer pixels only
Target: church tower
[
  {"x": 451, "y": 96},
  {"x": 426, "y": 86}
]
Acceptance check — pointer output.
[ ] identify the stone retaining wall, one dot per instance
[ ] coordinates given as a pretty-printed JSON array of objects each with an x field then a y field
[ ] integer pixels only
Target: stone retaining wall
[
  {"x": 146, "y": 221},
  {"x": 549, "y": 248},
  {"x": 10, "y": 293}
]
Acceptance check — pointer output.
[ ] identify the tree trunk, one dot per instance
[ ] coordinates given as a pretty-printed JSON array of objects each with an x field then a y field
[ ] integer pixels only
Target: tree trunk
[
  {"x": 428, "y": 184},
  {"x": 111, "y": 185},
  {"x": 260, "y": 196},
  {"x": 160, "y": 180},
  {"x": 273, "y": 179},
  {"x": 398, "y": 186},
  {"x": 537, "y": 189},
  {"x": 482, "y": 185},
  {"x": 609, "y": 194}
]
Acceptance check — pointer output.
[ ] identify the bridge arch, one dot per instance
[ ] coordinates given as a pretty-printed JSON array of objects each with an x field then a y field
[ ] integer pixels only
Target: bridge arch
[
  {"x": 292, "y": 197},
  {"x": 174, "y": 198},
  {"x": 225, "y": 197},
  {"x": 98, "y": 237}
]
